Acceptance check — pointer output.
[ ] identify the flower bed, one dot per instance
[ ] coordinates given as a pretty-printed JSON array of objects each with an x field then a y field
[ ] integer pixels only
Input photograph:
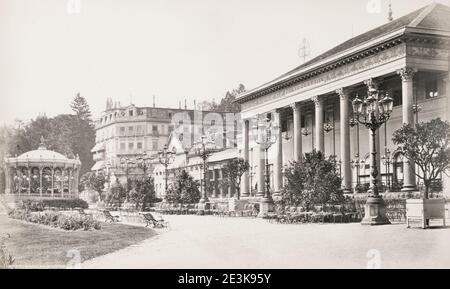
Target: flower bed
[
  {"x": 40, "y": 205},
  {"x": 57, "y": 220}
]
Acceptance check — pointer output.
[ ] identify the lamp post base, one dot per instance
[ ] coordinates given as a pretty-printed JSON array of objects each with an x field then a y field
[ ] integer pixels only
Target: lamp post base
[
  {"x": 266, "y": 205},
  {"x": 375, "y": 212}
]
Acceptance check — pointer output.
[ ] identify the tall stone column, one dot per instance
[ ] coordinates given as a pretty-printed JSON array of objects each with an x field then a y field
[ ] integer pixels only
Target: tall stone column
[
  {"x": 245, "y": 191},
  {"x": 319, "y": 134},
  {"x": 345, "y": 140},
  {"x": 297, "y": 134},
  {"x": 407, "y": 74},
  {"x": 260, "y": 171},
  {"x": 278, "y": 164}
]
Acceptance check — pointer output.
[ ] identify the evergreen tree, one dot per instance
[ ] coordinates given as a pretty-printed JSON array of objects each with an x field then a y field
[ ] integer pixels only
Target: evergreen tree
[{"x": 81, "y": 108}]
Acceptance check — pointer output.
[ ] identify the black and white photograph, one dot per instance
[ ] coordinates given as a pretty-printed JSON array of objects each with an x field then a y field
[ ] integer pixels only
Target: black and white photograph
[{"x": 224, "y": 135}]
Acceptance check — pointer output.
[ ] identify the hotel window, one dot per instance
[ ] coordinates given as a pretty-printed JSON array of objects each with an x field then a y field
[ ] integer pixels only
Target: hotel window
[
  {"x": 131, "y": 146},
  {"x": 155, "y": 145},
  {"x": 122, "y": 130},
  {"x": 122, "y": 146},
  {"x": 155, "y": 129},
  {"x": 303, "y": 121},
  {"x": 131, "y": 113},
  {"x": 130, "y": 130},
  {"x": 397, "y": 96},
  {"x": 431, "y": 89},
  {"x": 139, "y": 145}
]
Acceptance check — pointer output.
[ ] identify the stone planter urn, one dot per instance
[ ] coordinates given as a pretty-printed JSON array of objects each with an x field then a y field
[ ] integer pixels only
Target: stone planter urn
[{"x": 425, "y": 209}]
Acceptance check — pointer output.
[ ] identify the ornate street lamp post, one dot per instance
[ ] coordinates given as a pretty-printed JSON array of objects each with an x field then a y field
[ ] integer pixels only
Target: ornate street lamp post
[
  {"x": 166, "y": 157},
  {"x": 387, "y": 162},
  {"x": 372, "y": 113},
  {"x": 144, "y": 162},
  {"x": 125, "y": 164},
  {"x": 204, "y": 148},
  {"x": 356, "y": 163},
  {"x": 265, "y": 132}
]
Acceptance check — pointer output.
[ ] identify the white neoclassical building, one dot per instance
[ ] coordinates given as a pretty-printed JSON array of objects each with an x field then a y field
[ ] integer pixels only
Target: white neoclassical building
[{"x": 407, "y": 58}]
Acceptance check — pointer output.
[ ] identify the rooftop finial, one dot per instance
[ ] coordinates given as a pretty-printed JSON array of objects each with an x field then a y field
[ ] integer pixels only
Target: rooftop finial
[
  {"x": 390, "y": 17},
  {"x": 42, "y": 144}
]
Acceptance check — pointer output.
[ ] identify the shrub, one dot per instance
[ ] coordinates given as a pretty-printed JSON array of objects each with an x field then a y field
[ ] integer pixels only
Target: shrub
[
  {"x": 184, "y": 190},
  {"x": 313, "y": 182},
  {"x": 54, "y": 219},
  {"x": 39, "y": 205},
  {"x": 31, "y": 205},
  {"x": 65, "y": 203}
]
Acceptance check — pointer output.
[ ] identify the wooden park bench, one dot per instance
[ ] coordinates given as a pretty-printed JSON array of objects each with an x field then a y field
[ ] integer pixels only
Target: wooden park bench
[
  {"x": 149, "y": 219},
  {"x": 110, "y": 217}
]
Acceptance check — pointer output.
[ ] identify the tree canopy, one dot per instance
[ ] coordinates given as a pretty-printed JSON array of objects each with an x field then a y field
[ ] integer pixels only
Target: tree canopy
[
  {"x": 426, "y": 145},
  {"x": 233, "y": 171}
]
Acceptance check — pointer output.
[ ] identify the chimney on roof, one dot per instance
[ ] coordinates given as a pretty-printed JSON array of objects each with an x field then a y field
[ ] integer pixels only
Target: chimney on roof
[
  {"x": 179, "y": 104},
  {"x": 390, "y": 17},
  {"x": 154, "y": 101},
  {"x": 195, "y": 105},
  {"x": 185, "y": 104}
]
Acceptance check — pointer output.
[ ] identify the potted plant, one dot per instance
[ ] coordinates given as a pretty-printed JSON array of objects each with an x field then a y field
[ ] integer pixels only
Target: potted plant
[{"x": 427, "y": 146}]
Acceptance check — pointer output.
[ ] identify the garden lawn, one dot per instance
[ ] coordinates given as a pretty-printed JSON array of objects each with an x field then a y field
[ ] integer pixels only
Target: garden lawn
[{"x": 40, "y": 246}]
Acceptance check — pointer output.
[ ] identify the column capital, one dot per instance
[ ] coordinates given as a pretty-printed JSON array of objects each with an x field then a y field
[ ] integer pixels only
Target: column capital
[
  {"x": 407, "y": 73},
  {"x": 343, "y": 93},
  {"x": 317, "y": 100},
  {"x": 372, "y": 83},
  {"x": 295, "y": 106},
  {"x": 277, "y": 110}
]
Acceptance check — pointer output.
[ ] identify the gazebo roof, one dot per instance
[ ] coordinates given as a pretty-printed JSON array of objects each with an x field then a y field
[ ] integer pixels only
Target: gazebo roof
[
  {"x": 42, "y": 156},
  {"x": 41, "y": 153}
]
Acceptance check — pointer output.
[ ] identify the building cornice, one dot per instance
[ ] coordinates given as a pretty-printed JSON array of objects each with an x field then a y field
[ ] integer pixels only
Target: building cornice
[{"x": 420, "y": 36}]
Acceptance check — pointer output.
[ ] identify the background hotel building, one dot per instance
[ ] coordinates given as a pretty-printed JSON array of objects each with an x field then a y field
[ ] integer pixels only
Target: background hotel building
[
  {"x": 408, "y": 58},
  {"x": 130, "y": 131}
]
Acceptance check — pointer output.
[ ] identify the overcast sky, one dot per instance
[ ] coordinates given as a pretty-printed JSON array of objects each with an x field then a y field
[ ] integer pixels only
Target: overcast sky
[{"x": 173, "y": 49}]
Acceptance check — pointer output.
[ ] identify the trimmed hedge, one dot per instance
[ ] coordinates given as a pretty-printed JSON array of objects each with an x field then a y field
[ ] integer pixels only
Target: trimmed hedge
[
  {"x": 57, "y": 220},
  {"x": 40, "y": 205}
]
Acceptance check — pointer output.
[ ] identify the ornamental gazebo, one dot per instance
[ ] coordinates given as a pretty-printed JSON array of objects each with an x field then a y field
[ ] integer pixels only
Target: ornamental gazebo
[{"x": 42, "y": 173}]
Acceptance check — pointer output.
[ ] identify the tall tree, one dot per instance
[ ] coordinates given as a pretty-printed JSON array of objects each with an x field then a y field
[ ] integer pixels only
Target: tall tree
[
  {"x": 83, "y": 133},
  {"x": 228, "y": 104},
  {"x": 426, "y": 145},
  {"x": 81, "y": 108}
]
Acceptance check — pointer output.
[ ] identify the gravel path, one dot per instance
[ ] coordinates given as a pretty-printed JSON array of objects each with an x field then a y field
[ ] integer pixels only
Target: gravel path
[{"x": 214, "y": 242}]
